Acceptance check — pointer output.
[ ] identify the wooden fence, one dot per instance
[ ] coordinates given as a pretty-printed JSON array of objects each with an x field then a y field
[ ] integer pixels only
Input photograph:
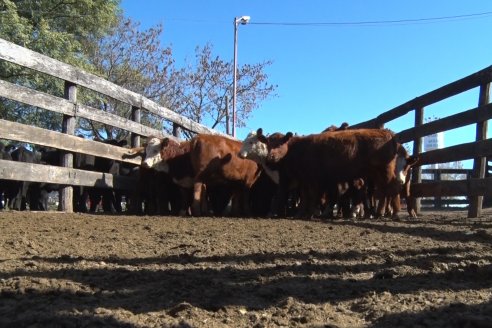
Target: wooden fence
[
  {"x": 474, "y": 188},
  {"x": 479, "y": 184},
  {"x": 437, "y": 175},
  {"x": 71, "y": 109}
]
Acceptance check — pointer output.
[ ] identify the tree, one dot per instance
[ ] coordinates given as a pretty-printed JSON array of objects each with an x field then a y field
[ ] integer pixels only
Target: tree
[
  {"x": 135, "y": 60},
  {"x": 64, "y": 30},
  {"x": 93, "y": 35},
  {"x": 138, "y": 61},
  {"x": 207, "y": 85}
]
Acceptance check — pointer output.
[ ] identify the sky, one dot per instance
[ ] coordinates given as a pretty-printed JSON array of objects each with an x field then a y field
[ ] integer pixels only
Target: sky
[{"x": 335, "y": 72}]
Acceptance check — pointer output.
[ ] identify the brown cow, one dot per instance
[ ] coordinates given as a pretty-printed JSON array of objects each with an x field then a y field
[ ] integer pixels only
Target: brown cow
[
  {"x": 172, "y": 159},
  {"x": 333, "y": 128},
  {"x": 256, "y": 147},
  {"x": 216, "y": 164},
  {"x": 407, "y": 163},
  {"x": 321, "y": 160}
]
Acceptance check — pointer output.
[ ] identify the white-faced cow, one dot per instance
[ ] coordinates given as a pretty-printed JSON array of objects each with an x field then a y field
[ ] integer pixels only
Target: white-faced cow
[
  {"x": 256, "y": 147},
  {"x": 166, "y": 171}
]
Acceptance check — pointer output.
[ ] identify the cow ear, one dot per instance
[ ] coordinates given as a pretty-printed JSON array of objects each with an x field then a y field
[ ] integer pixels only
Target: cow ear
[
  {"x": 259, "y": 132},
  {"x": 262, "y": 138},
  {"x": 286, "y": 138},
  {"x": 122, "y": 143},
  {"x": 344, "y": 126},
  {"x": 412, "y": 160},
  {"x": 165, "y": 142}
]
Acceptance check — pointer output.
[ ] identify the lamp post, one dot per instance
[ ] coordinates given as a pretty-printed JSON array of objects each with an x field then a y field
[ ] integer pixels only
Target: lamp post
[{"x": 243, "y": 20}]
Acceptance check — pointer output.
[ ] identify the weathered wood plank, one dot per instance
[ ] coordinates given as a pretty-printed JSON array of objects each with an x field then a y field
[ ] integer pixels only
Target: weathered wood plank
[
  {"x": 468, "y": 117},
  {"x": 446, "y": 171},
  {"x": 117, "y": 121},
  {"x": 454, "y": 88},
  {"x": 457, "y": 153},
  {"x": 63, "y": 106},
  {"x": 178, "y": 119},
  {"x": 11, "y": 170},
  {"x": 42, "y": 137},
  {"x": 41, "y": 63},
  {"x": 36, "y": 98},
  {"x": 470, "y": 187}
]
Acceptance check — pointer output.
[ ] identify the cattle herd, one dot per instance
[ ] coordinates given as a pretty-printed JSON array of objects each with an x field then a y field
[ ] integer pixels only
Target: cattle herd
[
  {"x": 339, "y": 172},
  {"x": 22, "y": 195},
  {"x": 356, "y": 173}
]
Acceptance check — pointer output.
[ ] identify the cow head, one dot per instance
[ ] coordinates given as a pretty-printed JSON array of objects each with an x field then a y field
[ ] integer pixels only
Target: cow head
[
  {"x": 255, "y": 146},
  {"x": 153, "y": 158},
  {"x": 404, "y": 163},
  {"x": 277, "y": 153}
]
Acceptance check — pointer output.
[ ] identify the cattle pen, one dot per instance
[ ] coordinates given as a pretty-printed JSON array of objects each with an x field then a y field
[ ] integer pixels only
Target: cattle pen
[
  {"x": 474, "y": 188},
  {"x": 72, "y": 109}
]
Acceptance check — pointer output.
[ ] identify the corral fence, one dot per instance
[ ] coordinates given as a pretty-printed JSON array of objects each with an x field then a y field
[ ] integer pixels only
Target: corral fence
[
  {"x": 74, "y": 79},
  {"x": 440, "y": 174},
  {"x": 478, "y": 184}
]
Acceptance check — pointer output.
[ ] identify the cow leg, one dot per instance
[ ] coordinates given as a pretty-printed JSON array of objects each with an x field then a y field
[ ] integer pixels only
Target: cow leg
[
  {"x": 279, "y": 201},
  {"x": 196, "y": 205},
  {"x": 242, "y": 195},
  {"x": 184, "y": 203},
  {"x": 410, "y": 209},
  {"x": 18, "y": 200},
  {"x": 395, "y": 204},
  {"x": 310, "y": 198},
  {"x": 118, "y": 196},
  {"x": 95, "y": 197},
  {"x": 236, "y": 203},
  {"x": 302, "y": 208},
  {"x": 381, "y": 203}
]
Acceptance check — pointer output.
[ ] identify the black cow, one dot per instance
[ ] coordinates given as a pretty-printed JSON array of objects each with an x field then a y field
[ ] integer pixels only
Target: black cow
[
  {"x": 17, "y": 193},
  {"x": 5, "y": 185},
  {"x": 110, "y": 199}
]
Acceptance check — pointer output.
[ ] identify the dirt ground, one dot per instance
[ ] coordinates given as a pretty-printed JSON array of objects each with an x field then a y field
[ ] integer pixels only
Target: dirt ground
[{"x": 74, "y": 270}]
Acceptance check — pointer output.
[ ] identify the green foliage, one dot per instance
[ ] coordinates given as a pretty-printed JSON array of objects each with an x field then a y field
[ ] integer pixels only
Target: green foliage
[
  {"x": 60, "y": 29},
  {"x": 64, "y": 30},
  {"x": 132, "y": 59}
]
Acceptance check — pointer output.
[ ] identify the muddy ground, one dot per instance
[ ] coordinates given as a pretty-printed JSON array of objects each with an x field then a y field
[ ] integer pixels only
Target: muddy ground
[{"x": 74, "y": 270}]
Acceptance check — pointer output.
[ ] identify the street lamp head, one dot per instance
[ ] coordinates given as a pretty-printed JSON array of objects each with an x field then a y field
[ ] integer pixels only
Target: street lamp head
[{"x": 243, "y": 20}]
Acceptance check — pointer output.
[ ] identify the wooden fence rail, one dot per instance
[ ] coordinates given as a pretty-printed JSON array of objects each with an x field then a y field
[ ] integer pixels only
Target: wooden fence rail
[
  {"x": 474, "y": 188},
  {"x": 71, "y": 109}
]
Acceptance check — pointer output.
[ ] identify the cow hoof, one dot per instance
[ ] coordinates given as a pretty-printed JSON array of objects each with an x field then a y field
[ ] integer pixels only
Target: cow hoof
[{"x": 412, "y": 214}]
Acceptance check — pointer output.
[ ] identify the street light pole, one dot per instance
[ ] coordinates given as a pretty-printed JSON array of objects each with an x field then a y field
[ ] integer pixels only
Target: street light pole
[{"x": 243, "y": 20}]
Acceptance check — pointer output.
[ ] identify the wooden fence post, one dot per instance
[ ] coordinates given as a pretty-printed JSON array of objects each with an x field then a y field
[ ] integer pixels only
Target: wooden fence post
[
  {"x": 68, "y": 127},
  {"x": 417, "y": 149},
  {"x": 479, "y": 164},
  {"x": 437, "y": 199},
  {"x": 136, "y": 115}
]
